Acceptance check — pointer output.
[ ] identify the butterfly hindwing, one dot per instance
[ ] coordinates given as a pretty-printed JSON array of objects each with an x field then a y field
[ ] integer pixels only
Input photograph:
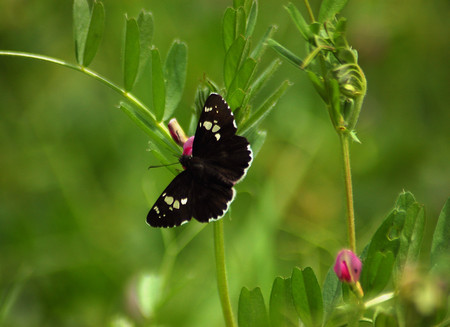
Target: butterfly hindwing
[
  {"x": 174, "y": 205},
  {"x": 211, "y": 200}
]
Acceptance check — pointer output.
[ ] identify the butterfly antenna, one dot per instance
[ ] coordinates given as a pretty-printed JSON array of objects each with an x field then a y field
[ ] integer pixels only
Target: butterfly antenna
[{"x": 158, "y": 166}]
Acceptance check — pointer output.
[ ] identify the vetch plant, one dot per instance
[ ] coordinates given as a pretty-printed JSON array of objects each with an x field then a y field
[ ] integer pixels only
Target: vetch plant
[
  {"x": 243, "y": 79},
  {"x": 361, "y": 297},
  {"x": 385, "y": 283}
]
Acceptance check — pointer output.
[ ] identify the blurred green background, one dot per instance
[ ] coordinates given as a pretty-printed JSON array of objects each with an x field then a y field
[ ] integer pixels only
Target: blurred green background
[{"x": 74, "y": 184}]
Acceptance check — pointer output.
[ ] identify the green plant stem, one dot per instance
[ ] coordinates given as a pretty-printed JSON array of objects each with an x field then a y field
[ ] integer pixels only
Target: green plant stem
[
  {"x": 344, "y": 137},
  {"x": 129, "y": 96},
  {"x": 310, "y": 12},
  {"x": 222, "y": 283}
]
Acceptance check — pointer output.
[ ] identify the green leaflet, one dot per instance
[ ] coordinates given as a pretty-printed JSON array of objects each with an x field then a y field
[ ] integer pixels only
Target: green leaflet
[
  {"x": 252, "y": 311},
  {"x": 307, "y": 297},
  {"x": 158, "y": 85},
  {"x": 175, "y": 76},
  {"x": 131, "y": 54}
]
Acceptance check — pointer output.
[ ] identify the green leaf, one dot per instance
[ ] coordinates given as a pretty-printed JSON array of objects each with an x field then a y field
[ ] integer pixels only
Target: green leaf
[
  {"x": 158, "y": 86},
  {"x": 385, "y": 319},
  {"x": 262, "y": 79},
  {"x": 329, "y": 9},
  {"x": 241, "y": 22},
  {"x": 242, "y": 78},
  {"x": 175, "y": 75},
  {"x": 251, "y": 21},
  {"x": 264, "y": 110},
  {"x": 81, "y": 18},
  {"x": 238, "y": 3},
  {"x": 145, "y": 24},
  {"x": 233, "y": 59},
  {"x": 252, "y": 311},
  {"x": 256, "y": 139},
  {"x": 318, "y": 85},
  {"x": 412, "y": 232},
  {"x": 260, "y": 48},
  {"x": 404, "y": 201},
  {"x": 335, "y": 111},
  {"x": 247, "y": 6},
  {"x": 299, "y": 21},
  {"x": 282, "y": 311},
  {"x": 331, "y": 293},
  {"x": 307, "y": 296},
  {"x": 228, "y": 27},
  {"x": 284, "y": 52},
  {"x": 338, "y": 36},
  {"x": 440, "y": 245},
  {"x": 384, "y": 247},
  {"x": 131, "y": 54},
  {"x": 95, "y": 32},
  {"x": 235, "y": 100}
]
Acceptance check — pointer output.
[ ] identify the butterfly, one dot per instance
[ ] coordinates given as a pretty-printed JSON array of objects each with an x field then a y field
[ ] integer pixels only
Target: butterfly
[{"x": 219, "y": 159}]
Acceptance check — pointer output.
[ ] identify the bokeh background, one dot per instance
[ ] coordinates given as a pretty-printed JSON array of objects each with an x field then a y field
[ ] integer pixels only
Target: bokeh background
[{"x": 74, "y": 184}]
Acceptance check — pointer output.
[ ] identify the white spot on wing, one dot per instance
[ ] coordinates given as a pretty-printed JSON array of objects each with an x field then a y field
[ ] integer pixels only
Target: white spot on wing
[
  {"x": 176, "y": 204},
  {"x": 217, "y": 135},
  {"x": 207, "y": 125},
  {"x": 184, "y": 201},
  {"x": 215, "y": 128},
  {"x": 208, "y": 109},
  {"x": 168, "y": 200}
]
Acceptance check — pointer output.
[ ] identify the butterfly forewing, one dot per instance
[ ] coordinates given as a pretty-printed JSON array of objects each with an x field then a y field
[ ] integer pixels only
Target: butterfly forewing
[
  {"x": 216, "y": 142},
  {"x": 174, "y": 205}
]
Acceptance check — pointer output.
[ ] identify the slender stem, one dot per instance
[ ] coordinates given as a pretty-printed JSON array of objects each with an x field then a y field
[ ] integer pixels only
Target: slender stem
[
  {"x": 344, "y": 137},
  {"x": 222, "y": 282},
  {"x": 129, "y": 96},
  {"x": 310, "y": 12}
]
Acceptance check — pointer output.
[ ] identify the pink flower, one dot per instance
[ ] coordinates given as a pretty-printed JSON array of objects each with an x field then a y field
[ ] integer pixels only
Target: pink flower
[
  {"x": 180, "y": 137},
  {"x": 187, "y": 146},
  {"x": 177, "y": 132},
  {"x": 347, "y": 267}
]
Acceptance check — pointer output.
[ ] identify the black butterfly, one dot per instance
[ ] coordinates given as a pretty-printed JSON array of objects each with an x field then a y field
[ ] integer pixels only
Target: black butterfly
[{"x": 204, "y": 189}]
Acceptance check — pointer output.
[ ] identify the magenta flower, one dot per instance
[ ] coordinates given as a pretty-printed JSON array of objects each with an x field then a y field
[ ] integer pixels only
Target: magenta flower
[
  {"x": 347, "y": 267},
  {"x": 180, "y": 137},
  {"x": 187, "y": 146}
]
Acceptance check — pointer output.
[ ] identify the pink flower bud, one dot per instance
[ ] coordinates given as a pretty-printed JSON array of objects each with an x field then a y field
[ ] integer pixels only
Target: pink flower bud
[
  {"x": 347, "y": 267},
  {"x": 187, "y": 146},
  {"x": 177, "y": 132}
]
